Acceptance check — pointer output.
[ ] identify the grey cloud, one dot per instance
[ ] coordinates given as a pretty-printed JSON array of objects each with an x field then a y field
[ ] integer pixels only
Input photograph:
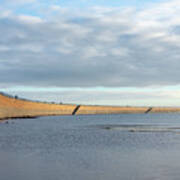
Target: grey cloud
[{"x": 114, "y": 49}]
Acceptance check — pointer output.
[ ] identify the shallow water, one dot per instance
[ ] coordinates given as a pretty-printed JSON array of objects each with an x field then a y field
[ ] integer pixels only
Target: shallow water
[{"x": 91, "y": 147}]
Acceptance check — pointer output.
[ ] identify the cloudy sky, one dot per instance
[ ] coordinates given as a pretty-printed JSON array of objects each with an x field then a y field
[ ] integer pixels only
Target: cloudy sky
[{"x": 91, "y": 51}]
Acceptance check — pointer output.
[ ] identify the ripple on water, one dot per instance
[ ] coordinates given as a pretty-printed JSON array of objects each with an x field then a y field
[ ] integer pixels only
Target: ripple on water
[{"x": 138, "y": 128}]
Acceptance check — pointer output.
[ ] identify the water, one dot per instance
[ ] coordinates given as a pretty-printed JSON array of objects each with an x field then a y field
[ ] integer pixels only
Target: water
[{"x": 91, "y": 147}]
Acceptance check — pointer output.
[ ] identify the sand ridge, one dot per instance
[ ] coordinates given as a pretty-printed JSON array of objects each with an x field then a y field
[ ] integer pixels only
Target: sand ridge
[{"x": 11, "y": 107}]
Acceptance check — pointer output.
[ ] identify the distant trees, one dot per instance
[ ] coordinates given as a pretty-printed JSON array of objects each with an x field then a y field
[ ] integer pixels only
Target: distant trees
[
  {"x": 16, "y": 97},
  {"x": 56, "y": 102}
]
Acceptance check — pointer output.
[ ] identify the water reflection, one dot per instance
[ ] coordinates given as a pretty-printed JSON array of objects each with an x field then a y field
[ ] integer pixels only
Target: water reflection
[
  {"x": 91, "y": 147},
  {"x": 138, "y": 128}
]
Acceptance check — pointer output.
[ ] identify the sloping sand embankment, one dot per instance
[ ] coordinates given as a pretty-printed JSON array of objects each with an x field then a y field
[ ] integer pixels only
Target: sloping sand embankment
[
  {"x": 17, "y": 108},
  {"x": 12, "y": 108}
]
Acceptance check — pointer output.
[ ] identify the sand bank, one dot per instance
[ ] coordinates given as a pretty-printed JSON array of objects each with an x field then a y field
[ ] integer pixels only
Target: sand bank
[{"x": 17, "y": 108}]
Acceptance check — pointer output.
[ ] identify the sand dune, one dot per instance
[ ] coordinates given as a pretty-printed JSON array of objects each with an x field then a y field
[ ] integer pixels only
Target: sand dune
[
  {"x": 11, "y": 107},
  {"x": 110, "y": 110},
  {"x": 17, "y": 108}
]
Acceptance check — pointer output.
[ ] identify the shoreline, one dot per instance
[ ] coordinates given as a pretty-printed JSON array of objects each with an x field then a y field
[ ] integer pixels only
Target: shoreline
[{"x": 14, "y": 108}]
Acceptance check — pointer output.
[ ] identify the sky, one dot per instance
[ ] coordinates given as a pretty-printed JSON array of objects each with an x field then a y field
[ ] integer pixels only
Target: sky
[{"x": 91, "y": 52}]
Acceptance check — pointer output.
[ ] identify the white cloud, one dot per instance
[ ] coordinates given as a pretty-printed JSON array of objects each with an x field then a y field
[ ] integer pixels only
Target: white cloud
[
  {"x": 4, "y": 48},
  {"x": 56, "y": 8},
  {"x": 90, "y": 52},
  {"x": 64, "y": 50},
  {"x": 97, "y": 47},
  {"x": 120, "y": 52},
  {"x": 30, "y": 19},
  {"x": 29, "y": 47},
  {"x": 5, "y": 13}
]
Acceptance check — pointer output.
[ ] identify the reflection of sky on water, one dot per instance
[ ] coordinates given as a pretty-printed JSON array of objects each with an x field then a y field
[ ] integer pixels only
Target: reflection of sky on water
[{"x": 74, "y": 147}]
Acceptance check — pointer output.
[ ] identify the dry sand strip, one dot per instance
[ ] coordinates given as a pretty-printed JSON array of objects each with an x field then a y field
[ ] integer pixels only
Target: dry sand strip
[{"x": 17, "y": 108}]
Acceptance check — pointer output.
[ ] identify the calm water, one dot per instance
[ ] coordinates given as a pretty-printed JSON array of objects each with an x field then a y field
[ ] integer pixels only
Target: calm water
[{"x": 96, "y": 147}]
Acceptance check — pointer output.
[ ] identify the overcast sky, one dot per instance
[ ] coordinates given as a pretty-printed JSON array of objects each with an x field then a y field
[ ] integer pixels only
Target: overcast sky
[{"x": 91, "y": 51}]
